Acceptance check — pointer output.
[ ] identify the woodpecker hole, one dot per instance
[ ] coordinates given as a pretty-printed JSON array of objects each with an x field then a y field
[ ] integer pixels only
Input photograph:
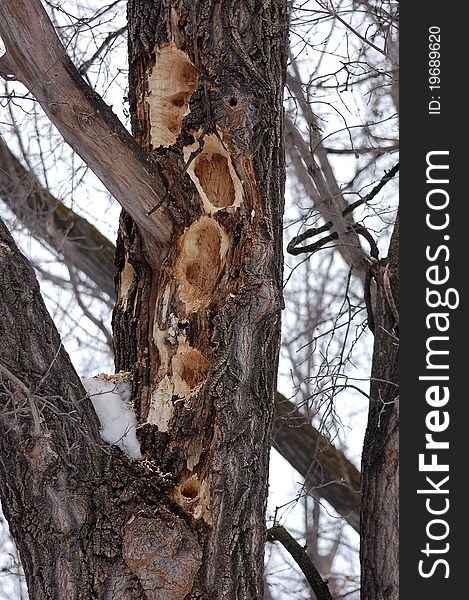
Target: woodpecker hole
[
  {"x": 172, "y": 80},
  {"x": 191, "y": 366},
  {"x": 189, "y": 489},
  {"x": 202, "y": 256},
  {"x": 214, "y": 176}
]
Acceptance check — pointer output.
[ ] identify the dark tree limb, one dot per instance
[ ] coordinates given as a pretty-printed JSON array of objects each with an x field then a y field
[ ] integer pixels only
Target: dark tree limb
[
  {"x": 47, "y": 218},
  {"x": 293, "y": 247},
  {"x": 300, "y": 556},
  {"x": 327, "y": 472},
  {"x": 378, "y": 187}
]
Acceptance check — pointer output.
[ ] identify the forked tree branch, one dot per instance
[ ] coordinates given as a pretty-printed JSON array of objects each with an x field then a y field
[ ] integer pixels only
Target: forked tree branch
[
  {"x": 35, "y": 56},
  {"x": 293, "y": 247}
]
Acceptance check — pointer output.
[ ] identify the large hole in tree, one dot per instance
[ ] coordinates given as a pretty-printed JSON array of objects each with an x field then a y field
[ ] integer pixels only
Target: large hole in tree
[
  {"x": 213, "y": 173},
  {"x": 191, "y": 366},
  {"x": 200, "y": 261},
  {"x": 201, "y": 271}
]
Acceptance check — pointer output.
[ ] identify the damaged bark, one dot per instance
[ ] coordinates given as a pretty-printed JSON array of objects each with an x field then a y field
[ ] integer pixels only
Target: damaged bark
[
  {"x": 197, "y": 318},
  {"x": 62, "y": 488},
  {"x": 199, "y": 328},
  {"x": 329, "y": 473}
]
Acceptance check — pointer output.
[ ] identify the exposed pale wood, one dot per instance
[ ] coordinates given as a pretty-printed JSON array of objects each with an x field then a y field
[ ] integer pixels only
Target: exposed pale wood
[
  {"x": 200, "y": 331},
  {"x": 170, "y": 86},
  {"x": 215, "y": 452}
]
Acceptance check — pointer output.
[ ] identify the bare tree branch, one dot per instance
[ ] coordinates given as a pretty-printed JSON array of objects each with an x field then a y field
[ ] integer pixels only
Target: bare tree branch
[
  {"x": 329, "y": 7},
  {"x": 81, "y": 116},
  {"x": 83, "y": 68},
  {"x": 327, "y": 472},
  {"x": 329, "y": 204},
  {"x": 81, "y": 244},
  {"x": 309, "y": 233},
  {"x": 300, "y": 556}
]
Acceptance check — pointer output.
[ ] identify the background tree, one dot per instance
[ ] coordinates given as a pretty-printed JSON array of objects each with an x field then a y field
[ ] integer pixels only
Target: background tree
[{"x": 324, "y": 339}]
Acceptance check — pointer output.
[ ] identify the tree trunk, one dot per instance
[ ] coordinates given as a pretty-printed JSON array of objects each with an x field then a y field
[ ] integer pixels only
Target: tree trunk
[
  {"x": 329, "y": 473},
  {"x": 380, "y": 460},
  {"x": 77, "y": 508},
  {"x": 197, "y": 319},
  {"x": 198, "y": 327}
]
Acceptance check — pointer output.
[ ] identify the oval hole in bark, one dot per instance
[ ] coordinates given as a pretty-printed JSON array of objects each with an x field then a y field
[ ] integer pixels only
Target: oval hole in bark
[
  {"x": 203, "y": 250},
  {"x": 233, "y": 102},
  {"x": 189, "y": 489},
  {"x": 212, "y": 171},
  {"x": 214, "y": 175},
  {"x": 178, "y": 99},
  {"x": 191, "y": 366}
]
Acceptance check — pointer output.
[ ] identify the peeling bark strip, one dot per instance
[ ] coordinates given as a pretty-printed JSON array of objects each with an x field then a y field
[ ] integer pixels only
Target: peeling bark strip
[{"x": 199, "y": 328}]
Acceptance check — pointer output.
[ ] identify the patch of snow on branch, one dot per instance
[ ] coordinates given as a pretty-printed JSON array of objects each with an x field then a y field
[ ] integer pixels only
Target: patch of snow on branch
[{"x": 110, "y": 395}]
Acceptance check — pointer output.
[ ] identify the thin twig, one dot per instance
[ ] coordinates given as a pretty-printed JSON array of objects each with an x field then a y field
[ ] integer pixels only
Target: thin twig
[
  {"x": 333, "y": 12},
  {"x": 299, "y": 555},
  {"x": 293, "y": 248},
  {"x": 29, "y": 395},
  {"x": 83, "y": 68}
]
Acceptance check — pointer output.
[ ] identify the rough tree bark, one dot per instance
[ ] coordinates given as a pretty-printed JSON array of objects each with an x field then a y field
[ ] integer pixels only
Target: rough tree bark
[
  {"x": 199, "y": 328},
  {"x": 380, "y": 460},
  {"x": 77, "y": 509},
  {"x": 196, "y": 320},
  {"x": 329, "y": 474}
]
